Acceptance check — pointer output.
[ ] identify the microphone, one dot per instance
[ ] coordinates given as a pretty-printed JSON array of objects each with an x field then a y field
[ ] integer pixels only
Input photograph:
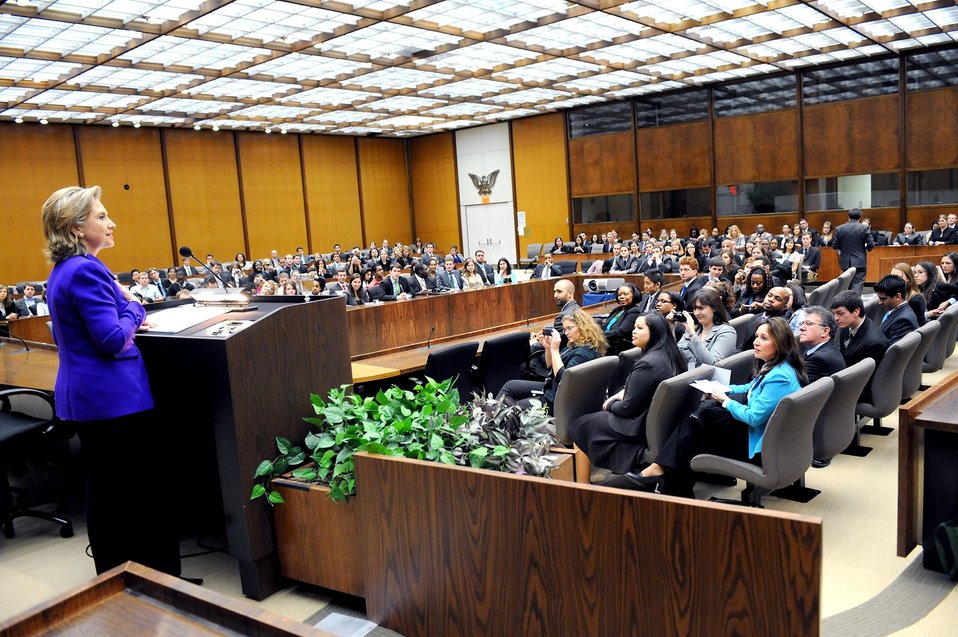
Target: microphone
[
  {"x": 186, "y": 252},
  {"x": 429, "y": 340},
  {"x": 25, "y": 346},
  {"x": 529, "y": 317}
]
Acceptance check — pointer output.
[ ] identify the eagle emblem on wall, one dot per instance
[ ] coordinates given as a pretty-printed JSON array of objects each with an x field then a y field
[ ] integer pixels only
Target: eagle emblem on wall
[{"x": 484, "y": 185}]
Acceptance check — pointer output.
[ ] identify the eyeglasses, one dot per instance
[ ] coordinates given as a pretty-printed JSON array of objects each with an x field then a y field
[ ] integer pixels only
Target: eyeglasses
[{"x": 811, "y": 323}]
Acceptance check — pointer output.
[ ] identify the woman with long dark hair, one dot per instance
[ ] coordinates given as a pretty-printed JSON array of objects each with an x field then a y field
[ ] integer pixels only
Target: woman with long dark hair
[
  {"x": 946, "y": 289},
  {"x": 926, "y": 276},
  {"x": 752, "y": 291},
  {"x": 503, "y": 272},
  {"x": 724, "y": 426},
  {"x": 615, "y": 437},
  {"x": 617, "y": 328},
  {"x": 714, "y": 338}
]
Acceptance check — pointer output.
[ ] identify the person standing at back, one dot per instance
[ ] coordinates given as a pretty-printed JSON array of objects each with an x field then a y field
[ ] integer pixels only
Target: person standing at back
[{"x": 853, "y": 240}]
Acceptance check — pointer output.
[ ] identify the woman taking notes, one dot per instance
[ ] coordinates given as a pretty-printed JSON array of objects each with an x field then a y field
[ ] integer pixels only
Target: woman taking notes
[
  {"x": 102, "y": 387},
  {"x": 714, "y": 338},
  {"x": 724, "y": 426}
]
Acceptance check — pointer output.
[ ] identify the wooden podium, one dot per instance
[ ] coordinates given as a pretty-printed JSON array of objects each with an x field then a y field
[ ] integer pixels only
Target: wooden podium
[{"x": 225, "y": 389}]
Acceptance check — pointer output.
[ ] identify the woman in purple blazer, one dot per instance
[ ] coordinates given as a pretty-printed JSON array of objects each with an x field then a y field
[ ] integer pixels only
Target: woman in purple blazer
[{"x": 102, "y": 387}]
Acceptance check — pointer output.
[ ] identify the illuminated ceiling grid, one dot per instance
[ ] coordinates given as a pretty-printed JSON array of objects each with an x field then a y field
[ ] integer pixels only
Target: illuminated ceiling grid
[{"x": 411, "y": 67}]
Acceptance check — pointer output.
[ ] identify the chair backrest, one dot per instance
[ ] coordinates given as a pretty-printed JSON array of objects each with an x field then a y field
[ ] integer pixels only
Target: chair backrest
[
  {"x": 533, "y": 250},
  {"x": 501, "y": 360},
  {"x": 874, "y": 310},
  {"x": 835, "y": 427},
  {"x": 582, "y": 391},
  {"x": 673, "y": 401},
  {"x": 887, "y": 381},
  {"x": 845, "y": 279},
  {"x": 819, "y": 295},
  {"x": 936, "y": 355},
  {"x": 567, "y": 267},
  {"x": 740, "y": 365},
  {"x": 597, "y": 247},
  {"x": 911, "y": 381},
  {"x": 627, "y": 360},
  {"x": 740, "y": 323},
  {"x": 787, "y": 446},
  {"x": 950, "y": 340},
  {"x": 454, "y": 361},
  {"x": 833, "y": 289}
]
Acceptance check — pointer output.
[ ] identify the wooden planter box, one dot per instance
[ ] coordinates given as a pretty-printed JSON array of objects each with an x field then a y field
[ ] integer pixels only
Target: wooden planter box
[{"x": 320, "y": 541}]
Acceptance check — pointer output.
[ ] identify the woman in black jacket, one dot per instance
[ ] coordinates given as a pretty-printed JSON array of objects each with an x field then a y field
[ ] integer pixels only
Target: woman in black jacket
[{"x": 617, "y": 328}]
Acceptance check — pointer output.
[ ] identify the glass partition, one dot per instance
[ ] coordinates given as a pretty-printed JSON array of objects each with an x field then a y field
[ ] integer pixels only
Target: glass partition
[
  {"x": 676, "y": 204},
  {"x": 932, "y": 187},
  {"x": 877, "y": 190},
  {"x": 757, "y": 199},
  {"x": 597, "y": 208}
]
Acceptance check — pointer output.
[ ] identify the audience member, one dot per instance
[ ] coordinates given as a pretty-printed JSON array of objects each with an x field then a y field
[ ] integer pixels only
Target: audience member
[
  {"x": 945, "y": 292},
  {"x": 394, "y": 287},
  {"x": 651, "y": 289},
  {"x": 485, "y": 270},
  {"x": 8, "y": 307},
  {"x": 26, "y": 305},
  {"x": 691, "y": 281},
  {"x": 617, "y": 328},
  {"x": 546, "y": 270},
  {"x": 449, "y": 278},
  {"x": 942, "y": 233},
  {"x": 614, "y": 438},
  {"x": 827, "y": 237},
  {"x": 858, "y": 337},
  {"x": 714, "y": 338},
  {"x": 926, "y": 276},
  {"x": 899, "y": 318},
  {"x": 624, "y": 262},
  {"x": 913, "y": 295},
  {"x": 503, "y": 272},
  {"x": 471, "y": 279},
  {"x": 817, "y": 336},
  {"x": 775, "y": 306},
  {"x": 143, "y": 288},
  {"x": 909, "y": 237},
  {"x": 672, "y": 307},
  {"x": 357, "y": 294}
]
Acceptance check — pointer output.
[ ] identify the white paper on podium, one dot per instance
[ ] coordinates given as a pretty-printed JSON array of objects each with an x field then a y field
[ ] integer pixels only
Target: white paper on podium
[{"x": 177, "y": 319}]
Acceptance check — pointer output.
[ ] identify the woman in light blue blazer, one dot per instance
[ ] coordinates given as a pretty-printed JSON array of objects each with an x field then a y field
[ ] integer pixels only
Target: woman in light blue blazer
[{"x": 727, "y": 427}]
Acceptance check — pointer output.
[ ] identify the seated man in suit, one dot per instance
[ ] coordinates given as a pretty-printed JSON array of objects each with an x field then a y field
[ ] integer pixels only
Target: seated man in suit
[
  {"x": 650, "y": 291},
  {"x": 909, "y": 237},
  {"x": 817, "y": 338},
  {"x": 811, "y": 257},
  {"x": 392, "y": 288},
  {"x": 859, "y": 338},
  {"x": 341, "y": 286},
  {"x": 419, "y": 281},
  {"x": 625, "y": 262},
  {"x": 546, "y": 270},
  {"x": 878, "y": 238},
  {"x": 776, "y": 304},
  {"x": 899, "y": 318},
  {"x": 485, "y": 270},
  {"x": 27, "y": 305},
  {"x": 449, "y": 278},
  {"x": 428, "y": 254},
  {"x": 689, "y": 273}
]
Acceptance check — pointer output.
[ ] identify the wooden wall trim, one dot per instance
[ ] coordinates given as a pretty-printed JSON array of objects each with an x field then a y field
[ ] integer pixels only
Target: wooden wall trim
[
  {"x": 81, "y": 179},
  {"x": 302, "y": 176},
  {"x": 242, "y": 193},
  {"x": 359, "y": 186},
  {"x": 174, "y": 250}
]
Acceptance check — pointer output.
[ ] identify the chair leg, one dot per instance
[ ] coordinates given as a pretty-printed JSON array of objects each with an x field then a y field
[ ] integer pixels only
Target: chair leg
[
  {"x": 876, "y": 429},
  {"x": 583, "y": 466},
  {"x": 796, "y": 492}
]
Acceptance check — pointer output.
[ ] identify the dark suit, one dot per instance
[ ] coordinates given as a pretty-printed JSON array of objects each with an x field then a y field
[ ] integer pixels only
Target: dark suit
[
  {"x": 868, "y": 342},
  {"x": 853, "y": 240},
  {"x": 900, "y": 322},
  {"x": 811, "y": 259},
  {"x": 486, "y": 271},
  {"x": 385, "y": 291},
  {"x": 24, "y": 310},
  {"x": 947, "y": 235},
  {"x": 693, "y": 286},
  {"x": 648, "y": 303},
  {"x": 757, "y": 320},
  {"x": 824, "y": 361},
  {"x": 554, "y": 271},
  {"x": 449, "y": 280},
  {"x": 905, "y": 240},
  {"x": 628, "y": 265},
  {"x": 415, "y": 288}
]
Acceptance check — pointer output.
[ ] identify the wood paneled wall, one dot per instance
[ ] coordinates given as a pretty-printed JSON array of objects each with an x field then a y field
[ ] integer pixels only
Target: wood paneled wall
[
  {"x": 332, "y": 190},
  {"x": 384, "y": 187},
  {"x": 540, "y": 172},
  {"x": 931, "y": 137},
  {"x": 602, "y": 164},
  {"x": 435, "y": 199},
  {"x": 34, "y": 162},
  {"x": 857, "y": 136},
  {"x": 673, "y": 157},
  {"x": 205, "y": 192},
  {"x": 762, "y": 147}
]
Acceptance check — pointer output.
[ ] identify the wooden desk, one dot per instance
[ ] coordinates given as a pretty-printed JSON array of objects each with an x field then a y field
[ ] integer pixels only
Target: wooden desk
[
  {"x": 35, "y": 369},
  {"x": 132, "y": 599},
  {"x": 32, "y": 328},
  {"x": 588, "y": 257},
  {"x": 927, "y": 466},
  {"x": 881, "y": 260}
]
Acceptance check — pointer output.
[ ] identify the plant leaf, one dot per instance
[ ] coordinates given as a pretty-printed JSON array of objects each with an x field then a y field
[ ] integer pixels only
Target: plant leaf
[
  {"x": 275, "y": 497},
  {"x": 265, "y": 468},
  {"x": 258, "y": 491}
]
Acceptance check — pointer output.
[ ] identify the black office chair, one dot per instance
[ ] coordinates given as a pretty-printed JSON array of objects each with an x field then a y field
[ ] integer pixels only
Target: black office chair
[
  {"x": 21, "y": 434},
  {"x": 567, "y": 267},
  {"x": 455, "y": 362},
  {"x": 501, "y": 360}
]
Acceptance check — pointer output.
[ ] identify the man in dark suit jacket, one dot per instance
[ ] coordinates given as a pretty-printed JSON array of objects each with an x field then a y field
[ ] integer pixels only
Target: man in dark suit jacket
[
  {"x": 775, "y": 304},
  {"x": 625, "y": 262},
  {"x": 691, "y": 281},
  {"x": 858, "y": 337},
  {"x": 811, "y": 257},
  {"x": 899, "y": 319},
  {"x": 27, "y": 306},
  {"x": 483, "y": 269},
  {"x": 817, "y": 337},
  {"x": 546, "y": 270},
  {"x": 394, "y": 287},
  {"x": 853, "y": 240},
  {"x": 651, "y": 290},
  {"x": 449, "y": 278}
]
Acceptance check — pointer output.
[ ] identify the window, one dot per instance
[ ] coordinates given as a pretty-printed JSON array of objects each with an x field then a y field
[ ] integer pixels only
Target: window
[
  {"x": 603, "y": 208},
  {"x": 850, "y": 81},
  {"x": 757, "y": 199},
  {"x": 614, "y": 117},
  {"x": 671, "y": 108},
  {"x": 932, "y": 187},
  {"x": 931, "y": 70},
  {"x": 755, "y": 96},
  {"x": 877, "y": 190},
  {"x": 674, "y": 204}
]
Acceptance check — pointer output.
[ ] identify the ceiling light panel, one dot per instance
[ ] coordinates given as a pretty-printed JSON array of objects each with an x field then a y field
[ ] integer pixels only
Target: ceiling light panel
[
  {"x": 469, "y": 88},
  {"x": 944, "y": 17},
  {"x": 271, "y": 21},
  {"x": 21, "y": 69},
  {"x": 376, "y": 5},
  {"x": 483, "y": 16},
  {"x": 86, "y": 99},
  {"x": 482, "y": 56},
  {"x": 297, "y": 127},
  {"x": 240, "y": 89},
  {"x": 404, "y": 121},
  {"x": 194, "y": 54},
  {"x": 388, "y": 41},
  {"x": 464, "y": 109},
  {"x": 136, "y": 79},
  {"x": 669, "y": 11},
  {"x": 582, "y": 100},
  {"x": 604, "y": 81},
  {"x": 729, "y": 31},
  {"x": 62, "y": 38},
  {"x": 665, "y": 45},
  {"x": 230, "y": 123},
  {"x": 657, "y": 87},
  {"x": 580, "y": 31},
  {"x": 402, "y": 104},
  {"x": 529, "y": 96},
  {"x": 549, "y": 70},
  {"x": 514, "y": 113},
  {"x": 122, "y": 10},
  {"x": 459, "y": 123},
  {"x": 358, "y": 130},
  {"x": 329, "y": 97},
  {"x": 12, "y": 94},
  {"x": 154, "y": 120},
  {"x": 32, "y": 114},
  {"x": 397, "y": 78},
  {"x": 274, "y": 112},
  {"x": 307, "y": 67},
  {"x": 343, "y": 117},
  {"x": 188, "y": 107}
]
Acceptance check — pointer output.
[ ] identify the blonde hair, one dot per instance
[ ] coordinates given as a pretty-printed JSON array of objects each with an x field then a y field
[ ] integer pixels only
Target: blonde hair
[
  {"x": 910, "y": 282},
  {"x": 589, "y": 331},
  {"x": 63, "y": 211}
]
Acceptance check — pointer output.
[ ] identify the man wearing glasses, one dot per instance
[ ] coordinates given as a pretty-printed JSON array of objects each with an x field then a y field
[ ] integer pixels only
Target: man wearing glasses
[{"x": 816, "y": 335}]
